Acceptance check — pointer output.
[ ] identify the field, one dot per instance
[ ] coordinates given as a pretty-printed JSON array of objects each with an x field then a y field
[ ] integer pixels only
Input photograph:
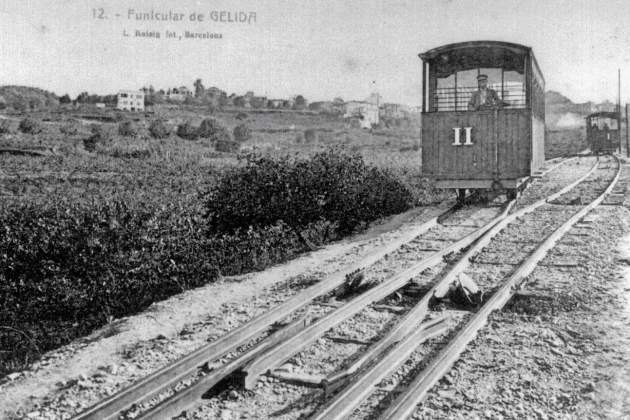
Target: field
[
  {"x": 99, "y": 224},
  {"x": 101, "y": 218}
]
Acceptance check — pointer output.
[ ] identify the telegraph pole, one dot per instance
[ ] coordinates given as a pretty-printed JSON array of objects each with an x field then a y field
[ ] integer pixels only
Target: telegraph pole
[
  {"x": 627, "y": 135},
  {"x": 619, "y": 107}
]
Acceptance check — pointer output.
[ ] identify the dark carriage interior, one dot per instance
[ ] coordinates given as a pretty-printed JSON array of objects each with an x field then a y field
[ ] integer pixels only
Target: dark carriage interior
[{"x": 602, "y": 131}]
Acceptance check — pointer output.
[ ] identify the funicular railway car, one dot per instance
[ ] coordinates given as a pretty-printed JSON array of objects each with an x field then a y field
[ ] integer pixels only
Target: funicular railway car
[
  {"x": 483, "y": 116},
  {"x": 602, "y": 132}
]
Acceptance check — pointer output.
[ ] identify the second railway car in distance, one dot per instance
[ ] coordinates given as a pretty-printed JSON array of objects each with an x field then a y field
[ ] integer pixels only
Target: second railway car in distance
[
  {"x": 602, "y": 132},
  {"x": 483, "y": 116}
]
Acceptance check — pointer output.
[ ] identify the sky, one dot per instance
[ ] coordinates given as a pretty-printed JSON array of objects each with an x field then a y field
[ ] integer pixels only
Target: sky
[{"x": 318, "y": 48}]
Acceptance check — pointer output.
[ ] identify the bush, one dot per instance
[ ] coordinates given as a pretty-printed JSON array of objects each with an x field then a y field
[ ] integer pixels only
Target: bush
[
  {"x": 90, "y": 143},
  {"x": 131, "y": 152},
  {"x": 242, "y": 133},
  {"x": 332, "y": 186},
  {"x": 71, "y": 265},
  {"x": 310, "y": 135},
  {"x": 127, "y": 128},
  {"x": 187, "y": 131},
  {"x": 159, "y": 130},
  {"x": 227, "y": 146},
  {"x": 99, "y": 136},
  {"x": 5, "y": 127},
  {"x": 214, "y": 131},
  {"x": 30, "y": 126},
  {"x": 241, "y": 116},
  {"x": 98, "y": 129},
  {"x": 70, "y": 128}
]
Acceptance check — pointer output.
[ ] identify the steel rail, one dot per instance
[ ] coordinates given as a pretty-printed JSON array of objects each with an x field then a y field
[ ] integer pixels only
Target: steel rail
[
  {"x": 406, "y": 403},
  {"x": 310, "y": 334},
  {"x": 556, "y": 165},
  {"x": 392, "y": 360},
  {"x": 176, "y": 403},
  {"x": 343, "y": 404},
  {"x": 164, "y": 378},
  {"x": 398, "y": 332}
]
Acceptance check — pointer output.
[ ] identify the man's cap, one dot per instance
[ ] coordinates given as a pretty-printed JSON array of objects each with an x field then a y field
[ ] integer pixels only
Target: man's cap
[{"x": 482, "y": 77}]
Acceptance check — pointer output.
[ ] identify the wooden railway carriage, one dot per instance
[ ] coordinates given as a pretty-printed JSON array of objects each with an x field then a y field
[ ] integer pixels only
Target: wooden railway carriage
[
  {"x": 494, "y": 147},
  {"x": 602, "y": 132}
]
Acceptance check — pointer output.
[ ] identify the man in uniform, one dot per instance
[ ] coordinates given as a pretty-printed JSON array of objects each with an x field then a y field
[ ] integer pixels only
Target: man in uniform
[{"x": 484, "y": 97}]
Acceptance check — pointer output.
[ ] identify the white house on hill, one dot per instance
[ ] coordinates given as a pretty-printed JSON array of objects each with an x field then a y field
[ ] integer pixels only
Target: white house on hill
[
  {"x": 130, "y": 100},
  {"x": 366, "y": 112}
]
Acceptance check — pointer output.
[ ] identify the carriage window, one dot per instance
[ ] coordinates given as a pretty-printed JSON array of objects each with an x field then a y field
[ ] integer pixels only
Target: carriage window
[
  {"x": 603, "y": 123},
  {"x": 513, "y": 90},
  {"x": 444, "y": 96},
  {"x": 466, "y": 85},
  {"x": 453, "y": 93}
]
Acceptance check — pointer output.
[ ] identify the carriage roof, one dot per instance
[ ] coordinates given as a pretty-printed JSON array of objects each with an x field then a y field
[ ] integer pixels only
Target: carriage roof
[
  {"x": 603, "y": 114},
  {"x": 518, "y": 48}
]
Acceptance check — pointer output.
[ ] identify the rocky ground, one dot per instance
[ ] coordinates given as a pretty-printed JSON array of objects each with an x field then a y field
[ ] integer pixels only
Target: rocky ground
[{"x": 561, "y": 350}]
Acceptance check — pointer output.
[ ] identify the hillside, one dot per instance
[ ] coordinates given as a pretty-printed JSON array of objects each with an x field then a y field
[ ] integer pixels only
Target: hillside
[
  {"x": 24, "y": 98},
  {"x": 561, "y": 112}
]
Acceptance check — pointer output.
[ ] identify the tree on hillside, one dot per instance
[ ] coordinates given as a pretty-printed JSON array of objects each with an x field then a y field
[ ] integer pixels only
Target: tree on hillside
[
  {"x": 257, "y": 102},
  {"x": 65, "y": 99},
  {"x": 110, "y": 99},
  {"x": 300, "y": 101},
  {"x": 150, "y": 97},
  {"x": 199, "y": 89},
  {"x": 223, "y": 99},
  {"x": 239, "y": 101},
  {"x": 20, "y": 104},
  {"x": 83, "y": 97},
  {"x": 94, "y": 99}
]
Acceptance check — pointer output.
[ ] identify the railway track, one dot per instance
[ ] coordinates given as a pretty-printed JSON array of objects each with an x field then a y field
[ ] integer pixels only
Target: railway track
[
  {"x": 349, "y": 331},
  {"x": 253, "y": 337}
]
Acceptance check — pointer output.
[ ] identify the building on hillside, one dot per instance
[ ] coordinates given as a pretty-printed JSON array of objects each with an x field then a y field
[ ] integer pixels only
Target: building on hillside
[
  {"x": 174, "y": 96},
  {"x": 374, "y": 98},
  {"x": 178, "y": 94},
  {"x": 276, "y": 103},
  {"x": 391, "y": 110},
  {"x": 215, "y": 92},
  {"x": 252, "y": 101},
  {"x": 130, "y": 100},
  {"x": 100, "y": 105},
  {"x": 366, "y": 112},
  {"x": 323, "y": 106},
  {"x": 185, "y": 91}
]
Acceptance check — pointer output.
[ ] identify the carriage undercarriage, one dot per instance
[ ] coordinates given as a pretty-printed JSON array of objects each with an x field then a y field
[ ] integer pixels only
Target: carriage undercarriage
[{"x": 485, "y": 190}]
